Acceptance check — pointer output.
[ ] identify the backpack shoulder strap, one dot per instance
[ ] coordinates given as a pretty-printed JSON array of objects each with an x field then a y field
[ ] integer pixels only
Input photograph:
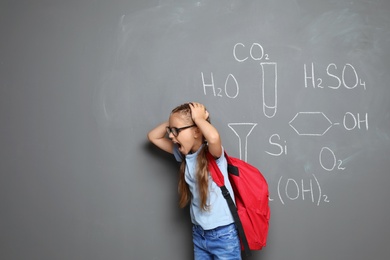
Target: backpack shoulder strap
[
  {"x": 215, "y": 171},
  {"x": 217, "y": 177}
]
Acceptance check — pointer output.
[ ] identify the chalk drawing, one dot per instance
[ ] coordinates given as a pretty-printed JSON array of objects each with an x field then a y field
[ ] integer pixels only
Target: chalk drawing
[
  {"x": 269, "y": 88},
  {"x": 335, "y": 163},
  {"x": 292, "y": 189},
  {"x": 348, "y": 72},
  {"x": 245, "y": 129},
  {"x": 256, "y": 52},
  {"x": 217, "y": 92},
  {"x": 282, "y": 149},
  {"x": 318, "y": 123}
]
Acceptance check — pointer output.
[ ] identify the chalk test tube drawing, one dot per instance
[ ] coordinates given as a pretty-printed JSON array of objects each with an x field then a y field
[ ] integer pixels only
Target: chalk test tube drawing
[
  {"x": 245, "y": 130},
  {"x": 269, "y": 88},
  {"x": 317, "y": 123}
]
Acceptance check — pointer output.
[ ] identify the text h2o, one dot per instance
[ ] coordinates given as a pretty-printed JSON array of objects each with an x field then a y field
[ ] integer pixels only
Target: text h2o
[{"x": 231, "y": 87}]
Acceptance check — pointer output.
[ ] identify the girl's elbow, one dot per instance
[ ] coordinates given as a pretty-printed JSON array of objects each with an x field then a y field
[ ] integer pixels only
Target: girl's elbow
[{"x": 150, "y": 137}]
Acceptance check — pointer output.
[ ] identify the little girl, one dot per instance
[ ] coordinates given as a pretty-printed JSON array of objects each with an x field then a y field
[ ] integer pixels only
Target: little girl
[{"x": 191, "y": 137}]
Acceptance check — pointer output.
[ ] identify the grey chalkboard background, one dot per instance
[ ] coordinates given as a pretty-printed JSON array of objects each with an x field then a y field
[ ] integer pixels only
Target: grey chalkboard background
[{"x": 299, "y": 89}]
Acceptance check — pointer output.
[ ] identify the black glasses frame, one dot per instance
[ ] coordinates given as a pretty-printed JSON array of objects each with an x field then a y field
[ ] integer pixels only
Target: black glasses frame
[{"x": 175, "y": 130}]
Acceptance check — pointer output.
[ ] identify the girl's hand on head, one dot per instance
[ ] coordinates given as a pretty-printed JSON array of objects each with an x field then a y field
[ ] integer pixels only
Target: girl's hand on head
[
  {"x": 209, "y": 132},
  {"x": 198, "y": 111}
]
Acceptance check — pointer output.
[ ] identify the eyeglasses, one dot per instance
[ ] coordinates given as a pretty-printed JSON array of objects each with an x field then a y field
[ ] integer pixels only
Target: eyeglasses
[{"x": 175, "y": 131}]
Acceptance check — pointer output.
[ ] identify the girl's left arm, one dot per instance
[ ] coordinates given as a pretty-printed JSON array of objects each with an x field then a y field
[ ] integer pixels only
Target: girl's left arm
[{"x": 210, "y": 133}]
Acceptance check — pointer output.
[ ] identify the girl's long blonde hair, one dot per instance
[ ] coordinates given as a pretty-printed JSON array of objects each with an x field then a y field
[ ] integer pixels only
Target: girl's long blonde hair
[{"x": 202, "y": 172}]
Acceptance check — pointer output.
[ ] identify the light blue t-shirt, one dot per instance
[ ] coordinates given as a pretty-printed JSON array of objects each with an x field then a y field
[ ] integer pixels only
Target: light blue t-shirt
[{"x": 218, "y": 213}]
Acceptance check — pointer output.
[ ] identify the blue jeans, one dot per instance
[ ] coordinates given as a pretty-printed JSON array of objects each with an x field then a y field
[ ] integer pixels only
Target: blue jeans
[{"x": 221, "y": 243}]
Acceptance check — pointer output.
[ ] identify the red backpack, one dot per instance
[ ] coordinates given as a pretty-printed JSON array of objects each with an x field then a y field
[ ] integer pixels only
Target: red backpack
[{"x": 251, "y": 211}]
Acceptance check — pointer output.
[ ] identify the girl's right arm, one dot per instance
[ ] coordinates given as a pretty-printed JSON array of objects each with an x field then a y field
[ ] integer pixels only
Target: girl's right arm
[{"x": 157, "y": 137}]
